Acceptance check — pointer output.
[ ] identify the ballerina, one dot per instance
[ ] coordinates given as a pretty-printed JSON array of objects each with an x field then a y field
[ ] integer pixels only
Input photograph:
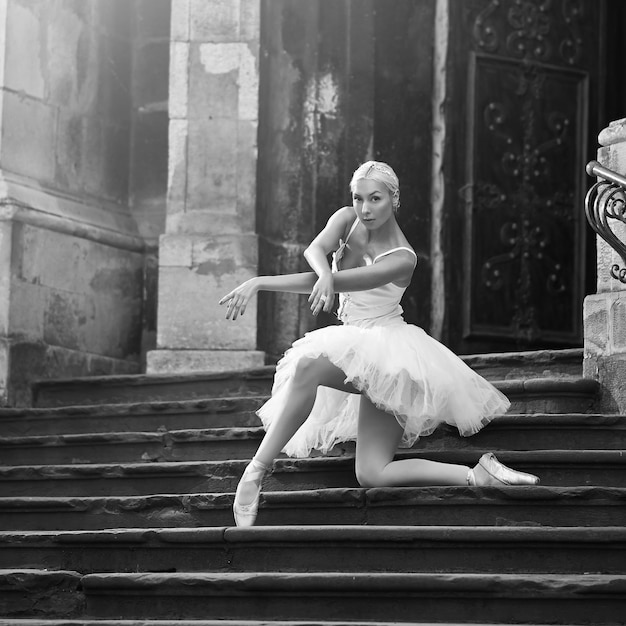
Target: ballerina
[{"x": 375, "y": 378}]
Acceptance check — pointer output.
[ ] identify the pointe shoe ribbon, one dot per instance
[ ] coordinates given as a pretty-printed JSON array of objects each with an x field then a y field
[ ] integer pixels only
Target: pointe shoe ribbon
[
  {"x": 245, "y": 514},
  {"x": 489, "y": 471}
]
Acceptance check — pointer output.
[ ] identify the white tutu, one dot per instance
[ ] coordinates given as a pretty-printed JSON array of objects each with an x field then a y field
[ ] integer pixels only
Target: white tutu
[{"x": 401, "y": 369}]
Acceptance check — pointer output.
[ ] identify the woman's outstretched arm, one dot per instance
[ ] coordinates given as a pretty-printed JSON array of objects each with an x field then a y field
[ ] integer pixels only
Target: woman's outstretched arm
[{"x": 394, "y": 267}]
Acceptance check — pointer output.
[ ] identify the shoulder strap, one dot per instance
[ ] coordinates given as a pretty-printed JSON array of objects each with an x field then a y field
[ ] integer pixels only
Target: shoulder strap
[
  {"x": 395, "y": 250},
  {"x": 352, "y": 228}
]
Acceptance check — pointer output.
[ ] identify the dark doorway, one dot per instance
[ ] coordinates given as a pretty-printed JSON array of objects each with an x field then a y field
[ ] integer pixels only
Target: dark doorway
[{"x": 526, "y": 104}]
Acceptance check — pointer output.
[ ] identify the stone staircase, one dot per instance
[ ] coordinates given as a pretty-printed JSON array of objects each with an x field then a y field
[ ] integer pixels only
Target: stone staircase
[{"x": 116, "y": 495}]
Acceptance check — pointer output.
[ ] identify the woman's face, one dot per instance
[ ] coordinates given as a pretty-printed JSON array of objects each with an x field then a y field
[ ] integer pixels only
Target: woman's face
[{"x": 371, "y": 200}]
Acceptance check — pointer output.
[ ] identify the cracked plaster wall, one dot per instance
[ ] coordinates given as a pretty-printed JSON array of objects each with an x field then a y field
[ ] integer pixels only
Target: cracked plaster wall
[{"x": 72, "y": 261}]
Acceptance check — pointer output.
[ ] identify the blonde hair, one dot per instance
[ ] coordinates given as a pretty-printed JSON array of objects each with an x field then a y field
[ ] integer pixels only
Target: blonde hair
[{"x": 383, "y": 173}]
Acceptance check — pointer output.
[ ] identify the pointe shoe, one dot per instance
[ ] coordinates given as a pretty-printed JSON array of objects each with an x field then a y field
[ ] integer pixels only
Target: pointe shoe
[
  {"x": 489, "y": 471},
  {"x": 245, "y": 514}
]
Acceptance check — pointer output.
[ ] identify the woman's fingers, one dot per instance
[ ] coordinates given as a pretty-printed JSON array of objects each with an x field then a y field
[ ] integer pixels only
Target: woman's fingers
[{"x": 328, "y": 305}]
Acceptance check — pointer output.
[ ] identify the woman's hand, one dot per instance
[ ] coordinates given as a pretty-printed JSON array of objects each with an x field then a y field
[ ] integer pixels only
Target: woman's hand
[
  {"x": 238, "y": 298},
  {"x": 322, "y": 296}
]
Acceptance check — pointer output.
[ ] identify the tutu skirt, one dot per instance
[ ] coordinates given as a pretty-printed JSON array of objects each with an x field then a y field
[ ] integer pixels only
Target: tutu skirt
[{"x": 400, "y": 369}]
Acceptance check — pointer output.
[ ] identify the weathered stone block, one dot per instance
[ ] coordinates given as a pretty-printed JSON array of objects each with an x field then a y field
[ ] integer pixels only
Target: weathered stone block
[
  {"x": 32, "y": 361},
  {"x": 189, "y": 314},
  {"x": 175, "y": 251},
  {"x": 611, "y": 372},
  {"x": 250, "y": 20},
  {"x": 180, "y": 20},
  {"x": 177, "y": 166},
  {"x": 66, "y": 315},
  {"x": 212, "y": 165},
  {"x": 595, "y": 323},
  {"x": 179, "y": 80},
  {"x": 23, "y": 65},
  {"x": 177, "y": 361},
  {"x": 91, "y": 293},
  {"x": 27, "y": 310},
  {"x": 614, "y": 133},
  {"x": 217, "y": 20},
  {"x": 618, "y": 324},
  {"x": 214, "y": 85},
  {"x": 5, "y": 276},
  {"x": 201, "y": 222},
  {"x": 28, "y": 139}
]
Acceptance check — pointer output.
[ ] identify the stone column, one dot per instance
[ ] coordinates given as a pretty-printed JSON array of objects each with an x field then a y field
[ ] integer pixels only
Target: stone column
[
  {"x": 210, "y": 244},
  {"x": 605, "y": 312}
]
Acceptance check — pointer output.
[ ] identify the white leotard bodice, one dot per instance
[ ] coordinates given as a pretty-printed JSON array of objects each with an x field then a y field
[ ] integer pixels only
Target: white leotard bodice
[{"x": 374, "y": 307}]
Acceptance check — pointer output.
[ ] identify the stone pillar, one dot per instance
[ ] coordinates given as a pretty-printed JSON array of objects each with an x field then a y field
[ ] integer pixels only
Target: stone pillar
[
  {"x": 605, "y": 312},
  {"x": 210, "y": 244}
]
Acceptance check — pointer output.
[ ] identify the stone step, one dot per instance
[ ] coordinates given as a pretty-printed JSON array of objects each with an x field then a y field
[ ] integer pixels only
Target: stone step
[
  {"x": 220, "y": 622},
  {"x": 212, "y": 444},
  {"x": 132, "y": 417},
  {"x": 406, "y": 506},
  {"x": 588, "y": 599},
  {"x": 488, "y": 549},
  {"x": 528, "y": 364},
  {"x": 534, "y": 431},
  {"x": 566, "y": 468},
  {"x": 527, "y": 430},
  {"x": 550, "y": 395},
  {"x": 133, "y": 388},
  {"x": 32, "y": 592},
  {"x": 150, "y": 388}
]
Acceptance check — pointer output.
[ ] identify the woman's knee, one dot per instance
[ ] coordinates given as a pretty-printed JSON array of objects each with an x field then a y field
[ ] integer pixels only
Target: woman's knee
[
  {"x": 307, "y": 371},
  {"x": 370, "y": 476}
]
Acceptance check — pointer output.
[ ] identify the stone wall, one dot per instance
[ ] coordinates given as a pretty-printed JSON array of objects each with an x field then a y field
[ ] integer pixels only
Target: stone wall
[{"x": 71, "y": 270}]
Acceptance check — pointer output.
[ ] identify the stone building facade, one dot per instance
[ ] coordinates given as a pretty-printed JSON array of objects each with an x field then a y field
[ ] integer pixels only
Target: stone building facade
[{"x": 155, "y": 153}]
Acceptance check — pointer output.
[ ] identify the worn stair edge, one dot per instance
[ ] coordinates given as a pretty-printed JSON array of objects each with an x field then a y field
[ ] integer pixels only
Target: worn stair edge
[
  {"x": 32, "y": 592},
  {"x": 224, "y": 622},
  {"x": 150, "y": 387},
  {"x": 554, "y": 467},
  {"x": 207, "y": 412},
  {"x": 124, "y": 389},
  {"x": 593, "y": 599},
  {"x": 533, "y": 430},
  {"x": 191, "y": 583},
  {"x": 527, "y": 364},
  {"x": 548, "y": 506},
  {"x": 333, "y": 548}
]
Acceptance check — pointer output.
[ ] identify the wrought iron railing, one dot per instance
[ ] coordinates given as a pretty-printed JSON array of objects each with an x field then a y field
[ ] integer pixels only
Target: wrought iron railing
[{"x": 605, "y": 201}]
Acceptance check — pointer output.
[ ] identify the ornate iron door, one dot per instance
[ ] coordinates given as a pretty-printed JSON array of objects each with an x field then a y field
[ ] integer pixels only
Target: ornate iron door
[{"x": 531, "y": 69}]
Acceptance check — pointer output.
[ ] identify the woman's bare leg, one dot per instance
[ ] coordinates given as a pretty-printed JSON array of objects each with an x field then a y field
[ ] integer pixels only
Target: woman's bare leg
[
  {"x": 310, "y": 373},
  {"x": 379, "y": 434}
]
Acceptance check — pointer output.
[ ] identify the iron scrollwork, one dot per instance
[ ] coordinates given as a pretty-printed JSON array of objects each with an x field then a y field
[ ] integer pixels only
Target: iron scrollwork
[
  {"x": 605, "y": 201},
  {"x": 532, "y": 29}
]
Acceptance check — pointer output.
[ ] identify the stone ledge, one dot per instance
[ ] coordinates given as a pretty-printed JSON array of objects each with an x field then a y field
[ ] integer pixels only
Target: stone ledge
[{"x": 196, "y": 361}]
